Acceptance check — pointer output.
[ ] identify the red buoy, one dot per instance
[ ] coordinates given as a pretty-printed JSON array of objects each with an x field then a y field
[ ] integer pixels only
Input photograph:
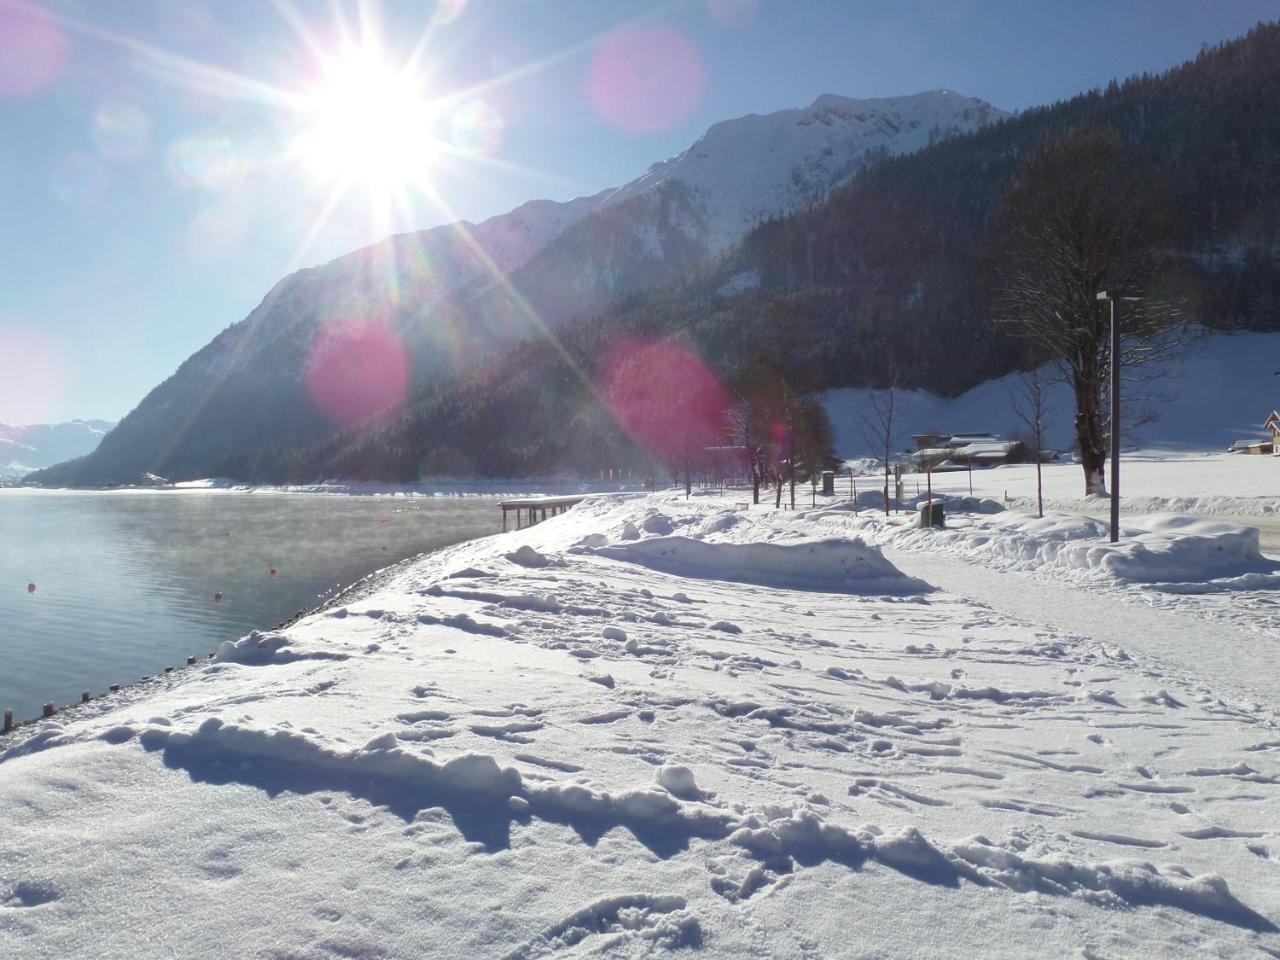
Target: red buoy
[
  {"x": 217, "y": 597},
  {"x": 31, "y": 588},
  {"x": 273, "y": 571}
]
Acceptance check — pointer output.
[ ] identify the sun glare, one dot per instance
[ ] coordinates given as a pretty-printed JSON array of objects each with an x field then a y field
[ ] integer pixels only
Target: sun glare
[{"x": 370, "y": 122}]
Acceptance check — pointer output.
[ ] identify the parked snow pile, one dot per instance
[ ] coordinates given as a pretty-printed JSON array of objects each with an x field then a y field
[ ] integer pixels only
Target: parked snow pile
[{"x": 833, "y": 565}]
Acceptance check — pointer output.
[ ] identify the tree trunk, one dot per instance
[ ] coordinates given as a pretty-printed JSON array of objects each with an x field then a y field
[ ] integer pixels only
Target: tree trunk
[
  {"x": 1089, "y": 433},
  {"x": 755, "y": 486}
]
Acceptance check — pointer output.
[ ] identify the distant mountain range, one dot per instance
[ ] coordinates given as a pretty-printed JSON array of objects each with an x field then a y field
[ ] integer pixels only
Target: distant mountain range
[
  {"x": 859, "y": 225},
  {"x": 28, "y": 448}
]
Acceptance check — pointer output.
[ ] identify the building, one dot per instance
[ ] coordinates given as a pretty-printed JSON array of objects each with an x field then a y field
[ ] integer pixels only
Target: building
[
  {"x": 961, "y": 451},
  {"x": 1273, "y": 425}
]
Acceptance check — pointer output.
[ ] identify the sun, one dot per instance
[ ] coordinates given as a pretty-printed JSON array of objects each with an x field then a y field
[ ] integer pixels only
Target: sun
[{"x": 367, "y": 121}]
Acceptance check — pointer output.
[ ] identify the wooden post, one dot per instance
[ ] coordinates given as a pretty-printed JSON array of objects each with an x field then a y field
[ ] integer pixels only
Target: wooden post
[
  {"x": 191, "y": 661},
  {"x": 168, "y": 669},
  {"x": 85, "y": 697},
  {"x": 504, "y": 518},
  {"x": 8, "y": 720},
  {"x": 49, "y": 711},
  {"x": 114, "y": 688}
]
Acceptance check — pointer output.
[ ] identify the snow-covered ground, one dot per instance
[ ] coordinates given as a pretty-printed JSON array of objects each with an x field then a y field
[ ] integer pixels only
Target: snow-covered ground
[
  {"x": 1214, "y": 484},
  {"x": 654, "y": 725},
  {"x": 1220, "y": 392}
]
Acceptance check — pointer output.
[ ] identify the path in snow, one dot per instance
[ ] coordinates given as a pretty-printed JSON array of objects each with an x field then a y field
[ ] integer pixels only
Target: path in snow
[{"x": 1244, "y": 661}]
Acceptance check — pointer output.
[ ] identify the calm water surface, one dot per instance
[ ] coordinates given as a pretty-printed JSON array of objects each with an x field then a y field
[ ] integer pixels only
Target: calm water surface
[{"x": 125, "y": 580}]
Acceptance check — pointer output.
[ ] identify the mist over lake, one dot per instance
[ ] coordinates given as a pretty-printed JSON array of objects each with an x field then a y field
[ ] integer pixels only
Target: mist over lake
[{"x": 125, "y": 581}]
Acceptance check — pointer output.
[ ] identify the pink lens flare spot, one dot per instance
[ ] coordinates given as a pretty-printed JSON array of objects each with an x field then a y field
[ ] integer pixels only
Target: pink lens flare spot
[
  {"x": 32, "y": 378},
  {"x": 357, "y": 371},
  {"x": 665, "y": 397},
  {"x": 734, "y": 13},
  {"x": 33, "y": 49},
  {"x": 645, "y": 79}
]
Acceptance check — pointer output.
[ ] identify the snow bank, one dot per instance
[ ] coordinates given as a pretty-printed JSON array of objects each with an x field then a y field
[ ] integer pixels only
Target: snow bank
[
  {"x": 1160, "y": 548},
  {"x": 257, "y": 649},
  {"x": 834, "y": 565}
]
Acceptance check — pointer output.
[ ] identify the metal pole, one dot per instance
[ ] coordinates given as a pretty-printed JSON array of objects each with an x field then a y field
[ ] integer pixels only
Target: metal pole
[{"x": 1115, "y": 426}]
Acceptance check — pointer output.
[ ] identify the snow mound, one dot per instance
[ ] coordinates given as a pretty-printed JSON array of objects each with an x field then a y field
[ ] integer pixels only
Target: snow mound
[
  {"x": 1155, "y": 549},
  {"x": 658, "y": 523},
  {"x": 526, "y": 556},
  {"x": 834, "y": 565},
  {"x": 258, "y": 649},
  {"x": 679, "y": 781}
]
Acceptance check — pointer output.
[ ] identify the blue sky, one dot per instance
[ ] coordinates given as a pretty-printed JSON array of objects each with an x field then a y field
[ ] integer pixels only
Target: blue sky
[{"x": 155, "y": 180}]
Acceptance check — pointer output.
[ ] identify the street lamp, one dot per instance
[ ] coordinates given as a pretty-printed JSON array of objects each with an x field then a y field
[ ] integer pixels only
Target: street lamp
[{"x": 1115, "y": 414}]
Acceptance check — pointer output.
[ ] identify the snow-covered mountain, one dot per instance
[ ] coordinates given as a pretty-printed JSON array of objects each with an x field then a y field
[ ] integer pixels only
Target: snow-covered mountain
[
  {"x": 743, "y": 171},
  {"x": 27, "y": 448},
  {"x": 451, "y": 294}
]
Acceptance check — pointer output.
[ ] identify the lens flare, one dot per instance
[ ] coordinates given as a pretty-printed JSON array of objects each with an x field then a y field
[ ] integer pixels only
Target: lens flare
[
  {"x": 121, "y": 131},
  {"x": 645, "y": 79},
  {"x": 734, "y": 13},
  {"x": 356, "y": 372},
  {"x": 447, "y": 11},
  {"x": 476, "y": 128},
  {"x": 208, "y": 162},
  {"x": 665, "y": 397},
  {"x": 33, "y": 49},
  {"x": 32, "y": 378}
]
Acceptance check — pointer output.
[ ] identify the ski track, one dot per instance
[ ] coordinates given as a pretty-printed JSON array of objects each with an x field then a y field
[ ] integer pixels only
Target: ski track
[{"x": 1054, "y": 757}]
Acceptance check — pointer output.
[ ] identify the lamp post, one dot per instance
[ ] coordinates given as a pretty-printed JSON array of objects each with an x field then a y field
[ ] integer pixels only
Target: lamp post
[{"x": 1115, "y": 413}]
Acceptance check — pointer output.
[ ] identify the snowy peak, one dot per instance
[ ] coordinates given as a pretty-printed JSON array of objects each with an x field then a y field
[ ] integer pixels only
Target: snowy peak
[
  {"x": 27, "y": 448},
  {"x": 746, "y": 170}
]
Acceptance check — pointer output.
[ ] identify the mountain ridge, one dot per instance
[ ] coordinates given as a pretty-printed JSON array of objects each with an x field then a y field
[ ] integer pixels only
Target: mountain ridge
[{"x": 556, "y": 263}]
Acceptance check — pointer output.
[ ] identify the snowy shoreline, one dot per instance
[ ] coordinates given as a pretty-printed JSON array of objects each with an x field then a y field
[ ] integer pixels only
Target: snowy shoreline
[{"x": 653, "y": 724}]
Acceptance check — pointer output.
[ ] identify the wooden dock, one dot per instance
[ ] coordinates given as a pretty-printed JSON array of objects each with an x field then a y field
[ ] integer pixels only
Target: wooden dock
[{"x": 535, "y": 509}]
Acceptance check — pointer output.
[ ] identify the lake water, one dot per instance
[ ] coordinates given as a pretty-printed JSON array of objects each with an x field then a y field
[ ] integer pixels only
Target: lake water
[{"x": 125, "y": 580}]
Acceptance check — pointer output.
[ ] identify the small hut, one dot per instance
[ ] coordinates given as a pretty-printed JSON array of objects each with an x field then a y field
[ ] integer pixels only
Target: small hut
[{"x": 1273, "y": 425}]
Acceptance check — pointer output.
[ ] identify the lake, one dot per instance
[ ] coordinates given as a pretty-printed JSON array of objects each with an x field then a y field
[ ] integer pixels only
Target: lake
[{"x": 126, "y": 580}]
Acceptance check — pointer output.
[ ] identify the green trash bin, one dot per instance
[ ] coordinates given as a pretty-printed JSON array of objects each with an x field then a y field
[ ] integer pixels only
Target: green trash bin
[{"x": 932, "y": 514}]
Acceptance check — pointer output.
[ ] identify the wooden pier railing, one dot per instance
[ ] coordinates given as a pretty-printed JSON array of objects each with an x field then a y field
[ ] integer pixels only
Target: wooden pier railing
[{"x": 534, "y": 509}]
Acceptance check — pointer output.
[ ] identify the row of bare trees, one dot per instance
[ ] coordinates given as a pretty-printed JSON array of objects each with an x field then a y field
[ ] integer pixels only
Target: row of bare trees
[{"x": 778, "y": 419}]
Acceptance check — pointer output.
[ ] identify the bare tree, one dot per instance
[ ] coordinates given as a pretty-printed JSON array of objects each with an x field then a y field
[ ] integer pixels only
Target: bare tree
[
  {"x": 1029, "y": 402},
  {"x": 1087, "y": 213},
  {"x": 879, "y": 429}
]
